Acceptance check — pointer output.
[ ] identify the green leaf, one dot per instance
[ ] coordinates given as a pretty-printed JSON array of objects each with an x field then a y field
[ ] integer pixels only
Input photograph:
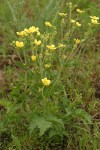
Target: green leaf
[
  {"x": 56, "y": 121},
  {"x": 83, "y": 114},
  {"x": 41, "y": 123}
]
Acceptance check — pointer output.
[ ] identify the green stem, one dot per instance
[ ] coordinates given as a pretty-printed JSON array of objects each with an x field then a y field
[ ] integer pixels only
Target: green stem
[{"x": 44, "y": 102}]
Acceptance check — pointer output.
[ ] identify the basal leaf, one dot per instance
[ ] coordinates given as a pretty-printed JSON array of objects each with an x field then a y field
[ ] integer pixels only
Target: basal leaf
[{"x": 41, "y": 123}]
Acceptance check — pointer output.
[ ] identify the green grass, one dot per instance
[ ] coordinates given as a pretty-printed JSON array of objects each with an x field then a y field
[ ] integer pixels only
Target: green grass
[{"x": 65, "y": 114}]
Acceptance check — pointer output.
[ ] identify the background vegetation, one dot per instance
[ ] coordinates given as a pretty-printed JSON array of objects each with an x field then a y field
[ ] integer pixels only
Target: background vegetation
[{"x": 65, "y": 115}]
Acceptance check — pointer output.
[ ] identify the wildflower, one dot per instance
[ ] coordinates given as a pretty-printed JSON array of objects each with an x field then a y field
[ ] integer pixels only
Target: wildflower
[
  {"x": 33, "y": 57},
  {"x": 78, "y": 24},
  {"x": 22, "y": 33},
  {"x": 51, "y": 47},
  {"x": 19, "y": 44},
  {"x": 48, "y": 24},
  {"x": 77, "y": 41},
  {"x": 45, "y": 81},
  {"x": 94, "y": 17},
  {"x": 60, "y": 45},
  {"x": 32, "y": 29},
  {"x": 26, "y": 30},
  {"x": 47, "y": 65},
  {"x": 72, "y": 21},
  {"x": 94, "y": 21},
  {"x": 62, "y": 14},
  {"x": 80, "y": 11},
  {"x": 38, "y": 33},
  {"x": 37, "y": 42}
]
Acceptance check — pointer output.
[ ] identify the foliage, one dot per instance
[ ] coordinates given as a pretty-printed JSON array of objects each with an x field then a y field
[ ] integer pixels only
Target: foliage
[{"x": 49, "y": 101}]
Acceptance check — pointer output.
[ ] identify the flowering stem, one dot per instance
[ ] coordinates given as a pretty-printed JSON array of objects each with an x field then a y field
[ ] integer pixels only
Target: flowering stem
[
  {"x": 31, "y": 40},
  {"x": 20, "y": 57},
  {"x": 44, "y": 102}
]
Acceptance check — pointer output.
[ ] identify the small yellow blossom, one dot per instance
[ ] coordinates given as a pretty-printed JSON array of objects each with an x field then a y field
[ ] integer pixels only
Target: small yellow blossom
[
  {"x": 80, "y": 11},
  {"x": 33, "y": 57},
  {"x": 45, "y": 81},
  {"x": 94, "y": 21},
  {"x": 38, "y": 33},
  {"x": 62, "y": 14},
  {"x": 37, "y": 42},
  {"x": 32, "y": 29},
  {"x": 22, "y": 33},
  {"x": 78, "y": 24},
  {"x": 26, "y": 30},
  {"x": 48, "y": 24},
  {"x": 47, "y": 65},
  {"x": 94, "y": 17},
  {"x": 77, "y": 41},
  {"x": 60, "y": 45},
  {"x": 51, "y": 47},
  {"x": 19, "y": 44},
  {"x": 72, "y": 21}
]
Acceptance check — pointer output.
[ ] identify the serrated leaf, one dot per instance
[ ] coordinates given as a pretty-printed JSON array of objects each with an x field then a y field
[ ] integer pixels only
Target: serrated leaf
[
  {"x": 41, "y": 123},
  {"x": 83, "y": 114},
  {"x": 52, "y": 133},
  {"x": 56, "y": 120}
]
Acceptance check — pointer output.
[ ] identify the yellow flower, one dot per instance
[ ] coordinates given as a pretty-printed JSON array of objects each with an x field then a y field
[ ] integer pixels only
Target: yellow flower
[
  {"x": 38, "y": 33},
  {"x": 60, "y": 45},
  {"x": 47, "y": 65},
  {"x": 48, "y": 24},
  {"x": 62, "y": 14},
  {"x": 26, "y": 30},
  {"x": 80, "y": 11},
  {"x": 72, "y": 21},
  {"x": 51, "y": 47},
  {"x": 78, "y": 24},
  {"x": 32, "y": 30},
  {"x": 94, "y": 17},
  {"x": 94, "y": 21},
  {"x": 22, "y": 33},
  {"x": 37, "y": 42},
  {"x": 77, "y": 41},
  {"x": 19, "y": 44},
  {"x": 33, "y": 57},
  {"x": 45, "y": 81}
]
